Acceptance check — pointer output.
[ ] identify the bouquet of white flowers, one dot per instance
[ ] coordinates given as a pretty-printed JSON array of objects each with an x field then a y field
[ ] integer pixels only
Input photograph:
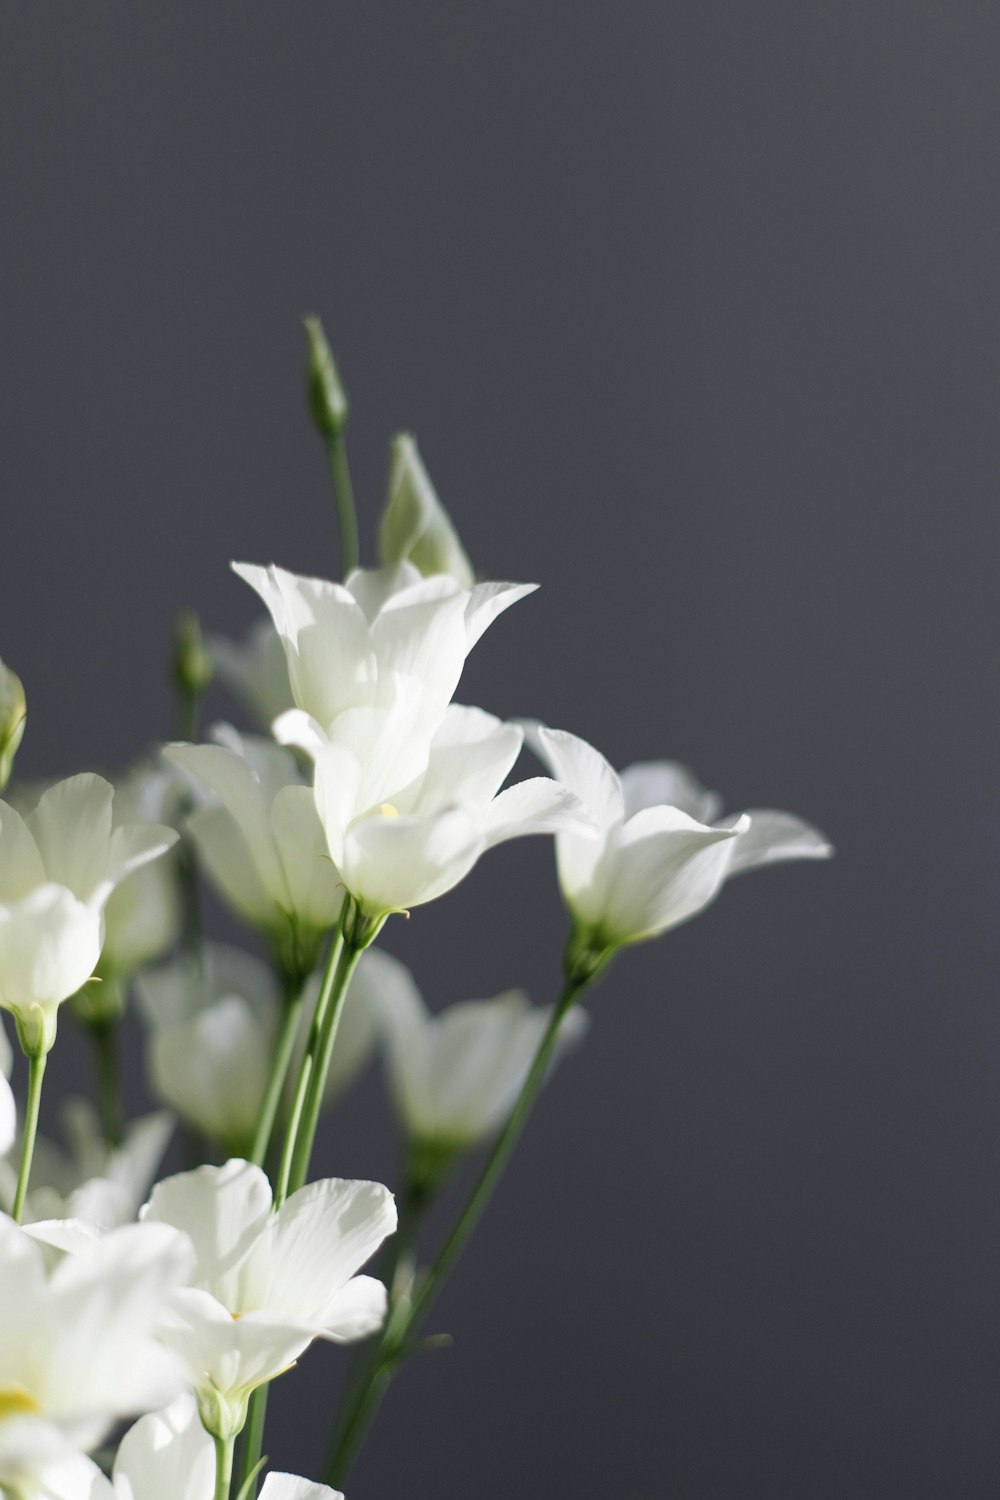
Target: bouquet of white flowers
[{"x": 371, "y": 793}]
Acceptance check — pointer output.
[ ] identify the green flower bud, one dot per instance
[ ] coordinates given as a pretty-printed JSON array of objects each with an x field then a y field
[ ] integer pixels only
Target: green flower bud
[
  {"x": 13, "y": 715},
  {"x": 416, "y": 527},
  {"x": 327, "y": 397},
  {"x": 191, "y": 662}
]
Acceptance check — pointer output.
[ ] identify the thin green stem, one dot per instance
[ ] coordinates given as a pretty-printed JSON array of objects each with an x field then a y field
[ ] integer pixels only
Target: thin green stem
[
  {"x": 349, "y": 956},
  {"x": 405, "y": 1318},
  {"x": 253, "y": 1440},
  {"x": 343, "y": 490},
  {"x": 279, "y": 1074},
  {"x": 109, "y": 1090},
  {"x": 36, "y": 1073},
  {"x": 308, "y": 1064},
  {"x": 223, "y": 1466}
]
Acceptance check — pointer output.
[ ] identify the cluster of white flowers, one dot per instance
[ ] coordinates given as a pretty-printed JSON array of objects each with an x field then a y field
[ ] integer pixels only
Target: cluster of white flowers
[{"x": 372, "y": 792}]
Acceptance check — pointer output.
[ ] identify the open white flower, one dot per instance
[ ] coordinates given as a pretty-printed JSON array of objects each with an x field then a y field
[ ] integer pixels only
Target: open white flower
[
  {"x": 167, "y": 1455},
  {"x": 265, "y": 1283},
  {"x": 347, "y": 645},
  {"x": 77, "y": 1345},
  {"x": 655, "y": 859},
  {"x": 407, "y": 814},
  {"x": 262, "y": 843},
  {"x": 454, "y": 1077},
  {"x": 416, "y": 527},
  {"x": 58, "y": 867}
]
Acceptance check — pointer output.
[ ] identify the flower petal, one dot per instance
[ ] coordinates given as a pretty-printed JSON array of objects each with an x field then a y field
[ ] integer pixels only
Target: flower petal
[
  {"x": 71, "y": 824},
  {"x": 775, "y": 836}
]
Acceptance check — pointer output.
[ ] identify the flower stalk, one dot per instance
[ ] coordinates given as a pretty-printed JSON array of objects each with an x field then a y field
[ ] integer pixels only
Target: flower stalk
[{"x": 36, "y": 1074}]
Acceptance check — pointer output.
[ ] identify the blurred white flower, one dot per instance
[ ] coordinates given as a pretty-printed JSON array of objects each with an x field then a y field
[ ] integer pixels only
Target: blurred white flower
[
  {"x": 266, "y": 1283},
  {"x": 407, "y": 816},
  {"x": 143, "y": 914},
  {"x": 102, "y": 1185},
  {"x": 416, "y": 527},
  {"x": 348, "y": 645},
  {"x": 262, "y": 842},
  {"x": 454, "y": 1077},
  {"x": 77, "y": 1345},
  {"x": 58, "y": 867},
  {"x": 255, "y": 671},
  {"x": 213, "y": 1028},
  {"x": 654, "y": 859},
  {"x": 13, "y": 715}
]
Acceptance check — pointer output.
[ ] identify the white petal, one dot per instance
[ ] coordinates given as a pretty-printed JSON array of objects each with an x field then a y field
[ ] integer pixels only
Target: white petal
[
  {"x": 230, "y": 778},
  {"x": 49, "y": 947},
  {"x": 21, "y": 867},
  {"x": 223, "y": 1211},
  {"x": 166, "y": 1455},
  {"x": 231, "y": 866},
  {"x": 8, "y": 1116},
  {"x": 775, "y": 836},
  {"x": 290, "y": 1487},
  {"x": 357, "y": 1311},
  {"x": 535, "y": 806},
  {"x": 658, "y": 783},
  {"x": 213, "y": 1070},
  {"x": 313, "y": 891},
  {"x": 487, "y": 601},
  {"x": 134, "y": 845},
  {"x": 581, "y": 768},
  {"x": 470, "y": 756},
  {"x": 76, "y": 1478},
  {"x": 664, "y": 868},
  {"x": 71, "y": 825},
  {"x": 391, "y": 864}
]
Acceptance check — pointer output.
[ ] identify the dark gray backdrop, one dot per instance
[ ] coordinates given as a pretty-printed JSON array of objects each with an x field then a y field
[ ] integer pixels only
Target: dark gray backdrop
[{"x": 693, "y": 307}]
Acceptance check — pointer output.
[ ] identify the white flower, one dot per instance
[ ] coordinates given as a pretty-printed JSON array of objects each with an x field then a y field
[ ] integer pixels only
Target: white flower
[
  {"x": 416, "y": 527},
  {"x": 167, "y": 1455},
  {"x": 77, "y": 1346},
  {"x": 347, "y": 645},
  {"x": 263, "y": 843},
  {"x": 213, "y": 1030},
  {"x": 655, "y": 859},
  {"x": 255, "y": 671},
  {"x": 143, "y": 914},
  {"x": 8, "y": 1110},
  {"x": 102, "y": 1185},
  {"x": 266, "y": 1283},
  {"x": 407, "y": 814},
  {"x": 58, "y": 867},
  {"x": 454, "y": 1077}
]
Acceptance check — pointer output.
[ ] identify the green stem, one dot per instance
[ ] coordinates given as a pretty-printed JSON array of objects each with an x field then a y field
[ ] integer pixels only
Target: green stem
[
  {"x": 223, "y": 1466},
  {"x": 36, "y": 1072},
  {"x": 109, "y": 1093},
  {"x": 349, "y": 956},
  {"x": 253, "y": 1440},
  {"x": 399, "y": 1329},
  {"x": 343, "y": 489},
  {"x": 279, "y": 1073},
  {"x": 308, "y": 1065}
]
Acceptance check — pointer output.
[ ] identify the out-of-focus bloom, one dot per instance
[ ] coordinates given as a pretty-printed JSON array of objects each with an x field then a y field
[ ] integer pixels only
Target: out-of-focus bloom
[
  {"x": 652, "y": 862},
  {"x": 454, "y": 1077},
  {"x": 349, "y": 645},
  {"x": 407, "y": 817},
  {"x": 100, "y": 1184},
  {"x": 167, "y": 1455},
  {"x": 265, "y": 1283},
  {"x": 13, "y": 716},
  {"x": 255, "y": 671},
  {"x": 8, "y": 1112},
  {"x": 77, "y": 1345},
  {"x": 263, "y": 843},
  {"x": 58, "y": 867},
  {"x": 416, "y": 527},
  {"x": 213, "y": 1028},
  {"x": 143, "y": 914}
]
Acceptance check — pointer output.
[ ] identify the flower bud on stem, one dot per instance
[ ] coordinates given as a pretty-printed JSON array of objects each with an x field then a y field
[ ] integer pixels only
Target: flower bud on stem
[{"x": 330, "y": 409}]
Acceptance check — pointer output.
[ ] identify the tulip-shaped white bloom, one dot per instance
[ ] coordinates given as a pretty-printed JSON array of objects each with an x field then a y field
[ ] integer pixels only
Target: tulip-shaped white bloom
[
  {"x": 255, "y": 671},
  {"x": 416, "y": 527},
  {"x": 347, "y": 645},
  {"x": 213, "y": 1027},
  {"x": 454, "y": 1077},
  {"x": 267, "y": 1283},
  {"x": 655, "y": 859},
  {"x": 58, "y": 867},
  {"x": 263, "y": 843},
  {"x": 77, "y": 1341},
  {"x": 167, "y": 1455},
  {"x": 102, "y": 1185},
  {"x": 407, "y": 815}
]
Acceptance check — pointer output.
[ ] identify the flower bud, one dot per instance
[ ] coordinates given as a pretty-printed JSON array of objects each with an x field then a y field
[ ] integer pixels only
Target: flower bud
[
  {"x": 416, "y": 527},
  {"x": 191, "y": 662},
  {"x": 13, "y": 713},
  {"x": 327, "y": 397}
]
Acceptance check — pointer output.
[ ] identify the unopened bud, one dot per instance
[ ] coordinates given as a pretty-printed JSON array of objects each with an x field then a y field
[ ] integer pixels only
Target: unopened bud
[
  {"x": 327, "y": 397},
  {"x": 13, "y": 715},
  {"x": 416, "y": 527},
  {"x": 191, "y": 662}
]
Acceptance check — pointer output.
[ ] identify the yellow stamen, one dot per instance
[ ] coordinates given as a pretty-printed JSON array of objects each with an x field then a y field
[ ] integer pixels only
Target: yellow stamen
[
  {"x": 388, "y": 811},
  {"x": 15, "y": 1401}
]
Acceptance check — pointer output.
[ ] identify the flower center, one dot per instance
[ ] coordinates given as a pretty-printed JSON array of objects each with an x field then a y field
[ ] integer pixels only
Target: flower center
[
  {"x": 388, "y": 811},
  {"x": 15, "y": 1401}
]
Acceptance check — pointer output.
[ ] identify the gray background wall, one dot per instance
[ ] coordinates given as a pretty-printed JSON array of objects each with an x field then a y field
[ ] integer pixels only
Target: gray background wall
[{"x": 693, "y": 307}]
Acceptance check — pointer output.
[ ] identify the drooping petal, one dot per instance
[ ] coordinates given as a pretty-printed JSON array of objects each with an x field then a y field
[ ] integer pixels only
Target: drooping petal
[
  {"x": 357, "y": 1311},
  {"x": 581, "y": 768},
  {"x": 487, "y": 601},
  {"x": 534, "y": 806},
  {"x": 775, "y": 836}
]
